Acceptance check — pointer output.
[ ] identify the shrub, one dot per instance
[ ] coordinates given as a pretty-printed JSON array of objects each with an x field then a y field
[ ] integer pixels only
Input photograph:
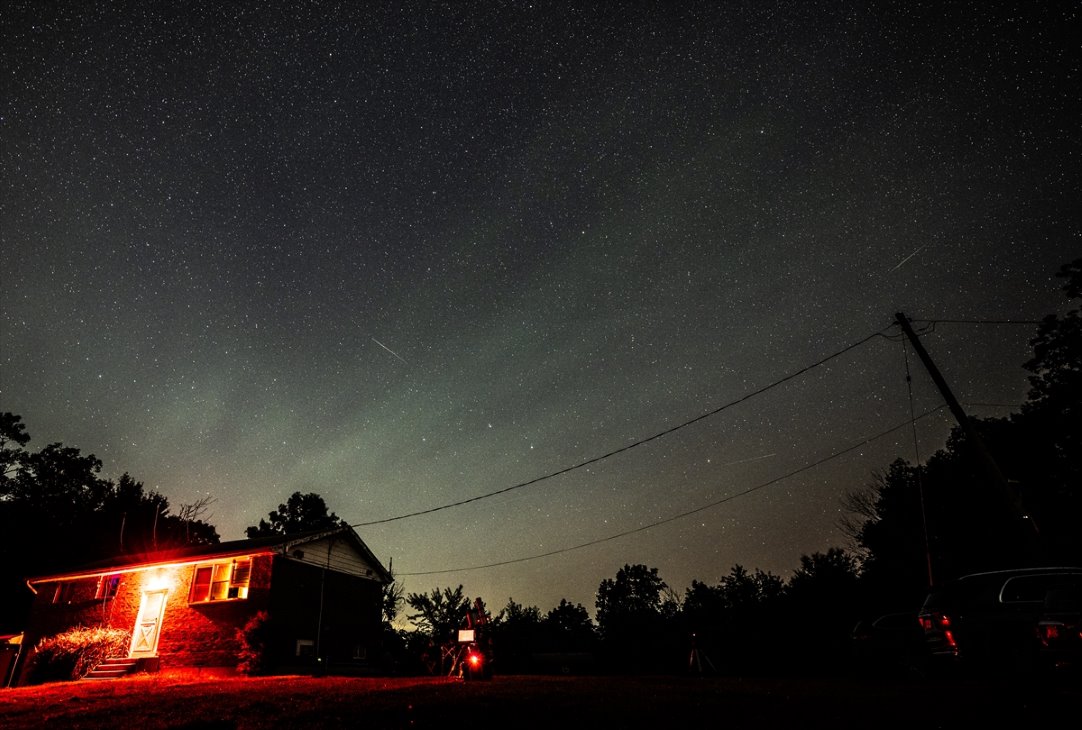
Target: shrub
[
  {"x": 254, "y": 641},
  {"x": 75, "y": 652}
]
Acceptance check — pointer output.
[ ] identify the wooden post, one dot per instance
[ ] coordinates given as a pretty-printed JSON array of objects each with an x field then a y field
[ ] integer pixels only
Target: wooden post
[{"x": 980, "y": 450}]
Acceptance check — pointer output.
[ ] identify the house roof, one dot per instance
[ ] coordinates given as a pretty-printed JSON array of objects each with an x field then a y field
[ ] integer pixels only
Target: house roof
[{"x": 274, "y": 544}]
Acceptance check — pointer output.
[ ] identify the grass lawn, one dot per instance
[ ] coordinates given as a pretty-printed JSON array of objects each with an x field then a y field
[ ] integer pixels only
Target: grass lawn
[{"x": 221, "y": 700}]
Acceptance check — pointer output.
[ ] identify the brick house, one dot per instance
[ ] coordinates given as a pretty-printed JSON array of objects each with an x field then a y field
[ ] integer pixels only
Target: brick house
[{"x": 321, "y": 590}]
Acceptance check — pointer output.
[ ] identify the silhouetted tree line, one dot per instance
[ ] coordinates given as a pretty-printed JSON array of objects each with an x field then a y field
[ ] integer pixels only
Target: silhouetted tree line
[
  {"x": 913, "y": 525},
  {"x": 518, "y": 639},
  {"x": 746, "y": 623}
]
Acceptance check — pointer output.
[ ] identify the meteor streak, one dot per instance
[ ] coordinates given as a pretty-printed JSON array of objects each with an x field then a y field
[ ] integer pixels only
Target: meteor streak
[
  {"x": 745, "y": 461},
  {"x": 390, "y": 351},
  {"x": 899, "y": 265}
]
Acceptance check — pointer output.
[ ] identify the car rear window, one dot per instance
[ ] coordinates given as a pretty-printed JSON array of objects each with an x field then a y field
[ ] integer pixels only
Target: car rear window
[{"x": 1034, "y": 588}]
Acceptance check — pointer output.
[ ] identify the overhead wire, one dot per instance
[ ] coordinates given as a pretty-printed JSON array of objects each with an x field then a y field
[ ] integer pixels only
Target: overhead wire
[
  {"x": 930, "y": 325},
  {"x": 919, "y": 331},
  {"x": 979, "y": 321},
  {"x": 690, "y": 512},
  {"x": 632, "y": 445}
]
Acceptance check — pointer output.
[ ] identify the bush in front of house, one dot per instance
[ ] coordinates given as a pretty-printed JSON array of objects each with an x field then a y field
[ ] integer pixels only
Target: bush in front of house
[
  {"x": 75, "y": 652},
  {"x": 255, "y": 639}
]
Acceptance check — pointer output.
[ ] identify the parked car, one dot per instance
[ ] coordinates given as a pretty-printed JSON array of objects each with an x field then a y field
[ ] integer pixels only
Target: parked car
[
  {"x": 987, "y": 622},
  {"x": 1059, "y": 628},
  {"x": 891, "y": 644}
]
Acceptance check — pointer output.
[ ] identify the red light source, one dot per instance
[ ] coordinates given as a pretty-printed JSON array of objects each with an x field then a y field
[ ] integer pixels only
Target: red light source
[
  {"x": 474, "y": 660},
  {"x": 1048, "y": 633},
  {"x": 935, "y": 621}
]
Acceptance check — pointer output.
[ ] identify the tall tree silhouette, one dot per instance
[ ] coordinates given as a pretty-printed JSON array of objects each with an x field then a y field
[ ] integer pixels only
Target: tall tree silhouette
[
  {"x": 300, "y": 513},
  {"x": 438, "y": 614},
  {"x": 569, "y": 628},
  {"x": 736, "y": 624},
  {"x": 631, "y": 602},
  {"x": 1050, "y": 426},
  {"x": 517, "y": 631},
  {"x": 634, "y": 618},
  {"x": 825, "y": 602}
]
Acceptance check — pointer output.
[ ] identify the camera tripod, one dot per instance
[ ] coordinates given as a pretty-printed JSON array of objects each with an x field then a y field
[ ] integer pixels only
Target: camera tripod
[{"x": 696, "y": 658}]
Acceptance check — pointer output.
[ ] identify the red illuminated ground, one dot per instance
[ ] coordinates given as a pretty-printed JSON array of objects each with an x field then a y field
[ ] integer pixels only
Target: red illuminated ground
[{"x": 207, "y": 700}]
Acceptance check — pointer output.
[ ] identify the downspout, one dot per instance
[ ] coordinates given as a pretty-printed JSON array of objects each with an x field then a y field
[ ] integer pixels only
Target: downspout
[
  {"x": 9, "y": 680},
  {"x": 319, "y": 620},
  {"x": 17, "y": 662}
]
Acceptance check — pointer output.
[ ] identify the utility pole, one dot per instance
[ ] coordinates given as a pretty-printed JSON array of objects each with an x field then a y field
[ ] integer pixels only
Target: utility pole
[{"x": 984, "y": 456}]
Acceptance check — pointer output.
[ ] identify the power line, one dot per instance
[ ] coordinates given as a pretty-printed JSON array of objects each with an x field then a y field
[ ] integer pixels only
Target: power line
[
  {"x": 900, "y": 336},
  {"x": 930, "y": 324},
  {"x": 632, "y": 445},
  {"x": 682, "y": 515},
  {"x": 979, "y": 321}
]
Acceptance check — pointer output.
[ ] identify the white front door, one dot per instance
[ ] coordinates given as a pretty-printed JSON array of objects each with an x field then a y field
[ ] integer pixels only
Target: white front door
[{"x": 144, "y": 640}]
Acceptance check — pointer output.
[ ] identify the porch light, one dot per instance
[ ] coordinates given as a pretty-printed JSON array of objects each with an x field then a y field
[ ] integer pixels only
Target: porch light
[{"x": 160, "y": 579}]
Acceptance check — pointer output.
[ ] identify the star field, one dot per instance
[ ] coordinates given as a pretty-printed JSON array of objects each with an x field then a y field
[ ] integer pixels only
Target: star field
[{"x": 404, "y": 254}]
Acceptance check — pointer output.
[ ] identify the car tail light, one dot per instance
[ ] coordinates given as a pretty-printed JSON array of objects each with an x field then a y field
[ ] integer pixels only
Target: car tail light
[
  {"x": 1048, "y": 633},
  {"x": 936, "y": 625},
  {"x": 935, "y": 622}
]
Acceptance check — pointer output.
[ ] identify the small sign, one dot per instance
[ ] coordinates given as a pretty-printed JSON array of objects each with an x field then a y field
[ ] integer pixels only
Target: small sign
[{"x": 465, "y": 636}]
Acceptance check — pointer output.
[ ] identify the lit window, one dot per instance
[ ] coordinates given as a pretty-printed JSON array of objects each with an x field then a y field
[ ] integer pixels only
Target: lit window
[
  {"x": 107, "y": 585},
  {"x": 238, "y": 583},
  {"x": 221, "y": 581}
]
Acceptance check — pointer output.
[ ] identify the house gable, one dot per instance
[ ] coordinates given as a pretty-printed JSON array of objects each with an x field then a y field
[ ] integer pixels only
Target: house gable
[{"x": 337, "y": 554}]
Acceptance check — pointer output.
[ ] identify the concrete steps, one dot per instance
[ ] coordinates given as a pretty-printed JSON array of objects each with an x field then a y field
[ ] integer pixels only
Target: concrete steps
[{"x": 114, "y": 667}]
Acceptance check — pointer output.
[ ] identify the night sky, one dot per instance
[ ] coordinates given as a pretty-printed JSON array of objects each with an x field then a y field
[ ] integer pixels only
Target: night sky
[{"x": 407, "y": 254}]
